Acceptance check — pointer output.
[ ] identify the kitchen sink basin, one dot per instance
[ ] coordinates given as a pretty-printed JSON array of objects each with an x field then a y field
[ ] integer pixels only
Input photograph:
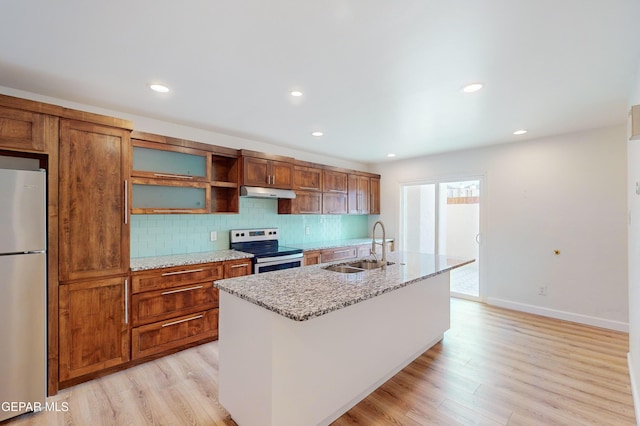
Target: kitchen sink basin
[
  {"x": 345, "y": 269},
  {"x": 367, "y": 264},
  {"x": 355, "y": 267}
]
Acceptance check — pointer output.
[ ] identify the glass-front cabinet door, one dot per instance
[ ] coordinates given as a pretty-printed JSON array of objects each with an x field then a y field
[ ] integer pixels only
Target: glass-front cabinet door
[
  {"x": 152, "y": 160},
  {"x": 164, "y": 197}
]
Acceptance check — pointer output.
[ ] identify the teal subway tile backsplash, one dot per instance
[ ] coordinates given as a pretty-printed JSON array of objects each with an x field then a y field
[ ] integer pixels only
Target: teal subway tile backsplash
[{"x": 158, "y": 235}]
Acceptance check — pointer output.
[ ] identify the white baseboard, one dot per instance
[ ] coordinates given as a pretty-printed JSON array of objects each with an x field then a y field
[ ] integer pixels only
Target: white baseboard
[
  {"x": 634, "y": 389},
  {"x": 563, "y": 315}
]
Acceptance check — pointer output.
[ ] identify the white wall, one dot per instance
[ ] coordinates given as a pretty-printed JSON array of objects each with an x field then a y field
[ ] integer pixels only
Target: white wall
[
  {"x": 566, "y": 193},
  {"x": 165, "y": 128},
  {"x": 633, "y": 166}
]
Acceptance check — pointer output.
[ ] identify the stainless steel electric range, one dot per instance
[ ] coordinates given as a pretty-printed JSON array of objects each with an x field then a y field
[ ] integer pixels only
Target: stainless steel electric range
[{"x": 263, "y": 244}]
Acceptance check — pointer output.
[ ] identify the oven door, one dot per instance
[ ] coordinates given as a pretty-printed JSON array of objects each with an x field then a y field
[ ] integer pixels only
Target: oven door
[{"x": 275, "y": 263}]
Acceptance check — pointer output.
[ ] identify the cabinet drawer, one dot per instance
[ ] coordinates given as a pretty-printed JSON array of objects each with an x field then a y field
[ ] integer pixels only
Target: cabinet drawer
[
  {"x": 160, "y": 305},
  {"x": 341, "y": 253},
  {"x": 237, "y": 268},
  {"x": 165, "y": 335},
  {"x": 159, "y": 279}
]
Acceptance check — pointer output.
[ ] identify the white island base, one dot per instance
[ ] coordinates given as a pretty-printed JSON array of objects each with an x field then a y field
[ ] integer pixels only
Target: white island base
[{"x": 276, "y": 371}]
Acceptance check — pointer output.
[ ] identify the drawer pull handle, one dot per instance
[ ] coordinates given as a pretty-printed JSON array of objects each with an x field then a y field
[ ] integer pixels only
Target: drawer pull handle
[
  {"x": 166, "y": 274},
  {"x": 173, "y": 176},
  {"x": 309, "y": 188},
  {"x": 305, "y": 211},
  {"x": 342, "y": 251},
  {"x": 164, "y": 293},
  {"x": 173, "y": 210},
  {"x": 242, "y": 265},
  {"x": 182, "y": 320},
  {"x": 336, "y": 190}
]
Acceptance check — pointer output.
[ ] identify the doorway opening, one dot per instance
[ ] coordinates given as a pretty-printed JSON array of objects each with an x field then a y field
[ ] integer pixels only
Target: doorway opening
[{"x": 443, "y": 217}]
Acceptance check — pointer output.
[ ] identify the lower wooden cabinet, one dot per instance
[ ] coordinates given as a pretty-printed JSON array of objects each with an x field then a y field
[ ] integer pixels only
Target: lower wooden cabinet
[
  {"x": 313, "y": 257},
  {"x": 237, "y": 268},
  {"x": 175, "y": 307},
  {"x": 339, "y": 253},
  {"x": 93, "y": 326},
  {"x": 162, "y": 336}
]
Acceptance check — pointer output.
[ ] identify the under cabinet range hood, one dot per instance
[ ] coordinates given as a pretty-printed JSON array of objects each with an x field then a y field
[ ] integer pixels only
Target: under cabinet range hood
[{"x": 258, "y": 192}]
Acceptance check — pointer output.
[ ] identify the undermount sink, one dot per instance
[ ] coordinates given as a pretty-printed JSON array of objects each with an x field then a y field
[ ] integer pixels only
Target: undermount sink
[{"x": 355, "y": 267}]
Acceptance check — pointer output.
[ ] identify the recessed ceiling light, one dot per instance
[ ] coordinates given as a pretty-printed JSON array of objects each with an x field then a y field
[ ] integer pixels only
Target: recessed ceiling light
[
  {"x": 473, "y": 87},
  {"x": 520, "y": 132},
  {"x": 317, "y": 134},
  {"x": 391, "y": 155},
  {"x": 159, "y": 88},
  {"x": 296, "y": 93}
]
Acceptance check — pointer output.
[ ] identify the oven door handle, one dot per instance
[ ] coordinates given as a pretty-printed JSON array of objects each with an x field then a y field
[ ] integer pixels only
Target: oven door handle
[{"x": 279, "y": 259}]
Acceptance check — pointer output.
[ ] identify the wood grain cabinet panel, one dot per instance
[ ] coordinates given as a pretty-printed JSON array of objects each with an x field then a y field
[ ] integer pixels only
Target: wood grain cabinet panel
[
  {"x": 93, "y": 197},
  {"x": 237, "y": 268},
  {"x": 358, "y": 200},
  {"x": 262, "y": 172},
  {"x": 374, "y": 197},
  {"x": 312, "y": 257},
  {"x": 158, "y": 279},
  {"x": 307, "y": 178},
  {"x": 160, "y": 305},
  {"x": 334, "y": 181},
  {"x": 334, "y": 203},
  {"x": 339, "y": 253},
  {"x": 94, "y": 333},
  {"x": 163, "y": 336},
  {"x": 22, "y": 129}
]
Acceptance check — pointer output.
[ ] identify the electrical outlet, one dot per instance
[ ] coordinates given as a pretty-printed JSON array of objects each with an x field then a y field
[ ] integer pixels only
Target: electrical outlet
[
  {"x": 214, "y": 235},
  {"x": 542, "y": 290},
  {"x": 307, "y": 231}
]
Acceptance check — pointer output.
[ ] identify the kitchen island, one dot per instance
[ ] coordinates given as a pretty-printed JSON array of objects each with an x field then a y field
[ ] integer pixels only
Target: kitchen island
[{"x": 303, "y": 345}]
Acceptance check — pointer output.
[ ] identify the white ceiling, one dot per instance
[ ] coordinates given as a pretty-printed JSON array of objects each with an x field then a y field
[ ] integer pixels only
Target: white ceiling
[{"x": 378, "y": 76}]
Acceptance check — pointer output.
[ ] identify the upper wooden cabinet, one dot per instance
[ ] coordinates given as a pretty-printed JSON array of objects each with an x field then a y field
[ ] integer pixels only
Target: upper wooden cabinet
[
  {"x": 265, "y": 172},
  {"x": 179, "y": 176},
  {"x": 335, "y": 181},
  {"x": 162, "y": 161},
  {"x": 93, "y": 200},
  {"x": 358, "y": 201},
  {"x": 307, "y": 183},
  {"x": 374, "y": 200},
  {"x": 307, "y": 178},
  {"x": 24, "y": 130}
]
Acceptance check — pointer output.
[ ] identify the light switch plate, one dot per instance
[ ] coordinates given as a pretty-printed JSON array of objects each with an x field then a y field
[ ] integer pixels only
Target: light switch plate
[{"x": 214, "y": 235}]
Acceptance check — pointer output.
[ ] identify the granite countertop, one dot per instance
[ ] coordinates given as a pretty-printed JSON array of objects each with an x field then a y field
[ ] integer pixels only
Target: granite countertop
[
  {"x": 311, "y": 291},
  {"x": 319, "y": 245},
  {"x": 144, "y": 263}
]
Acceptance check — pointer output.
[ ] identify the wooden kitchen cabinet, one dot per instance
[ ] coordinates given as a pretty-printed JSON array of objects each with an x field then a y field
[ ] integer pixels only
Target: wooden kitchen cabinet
[
  {"x": 177, "y": 307},
  {"x": 374, "y": 197},
  {"x": 264, "y": 172},
  {"x": 225, "y": 183},
  {"x": 93, "y": 326},
  {"x": 334, "y": 203},
  {"x": 339, "y": 253},
  {"x": 93, "y": 199},
  {"x": 24, "y": 130},
  {"x": 237, "y": 268},
  {"x": 163, "y": 161},
  {"x": 359, "y": 193},
  {"x": 307, "y": 184},
  {"x": 312, "y": 257},
  {"x": 335, "y": 181}
]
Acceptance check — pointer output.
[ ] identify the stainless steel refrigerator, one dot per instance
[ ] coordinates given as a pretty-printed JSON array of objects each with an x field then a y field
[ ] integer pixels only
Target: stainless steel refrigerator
[{"x": 23, "y": 354}]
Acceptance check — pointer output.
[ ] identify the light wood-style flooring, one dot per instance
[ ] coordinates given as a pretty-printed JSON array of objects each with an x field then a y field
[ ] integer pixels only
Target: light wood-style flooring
[{"x": 494, "y": 367}]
